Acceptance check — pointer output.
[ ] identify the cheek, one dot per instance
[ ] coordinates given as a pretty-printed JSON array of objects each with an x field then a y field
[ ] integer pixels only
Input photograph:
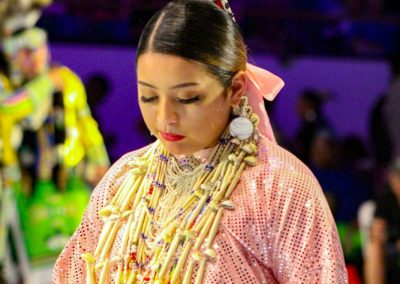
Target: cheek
[
  {"x": 20, "y": 61},
  {"x": 148, "y": 116},
  {"x": 220, "y": 112},
  {"x": 41, "y": 58},
  {"x": 210, "y": 119}
]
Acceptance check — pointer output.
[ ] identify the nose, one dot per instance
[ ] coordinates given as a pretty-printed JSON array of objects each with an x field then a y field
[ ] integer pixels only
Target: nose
[{"x": 166, "y": 114}]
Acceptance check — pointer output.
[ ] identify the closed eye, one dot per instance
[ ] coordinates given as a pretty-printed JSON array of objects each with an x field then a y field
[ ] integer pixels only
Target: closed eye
[
  {"x": 188, "y": 101},
  {"x": 148, "y": 99}
]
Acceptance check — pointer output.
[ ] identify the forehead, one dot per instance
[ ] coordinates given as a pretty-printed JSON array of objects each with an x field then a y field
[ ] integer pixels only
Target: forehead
[
  {"x": 28, "y": 49},
  {"x": 157, "y": 66},
  {"x": 31, "y": 39}
]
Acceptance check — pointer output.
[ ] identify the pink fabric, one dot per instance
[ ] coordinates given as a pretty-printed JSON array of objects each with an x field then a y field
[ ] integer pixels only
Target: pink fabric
[
  {"x": 281, "y": 230},
  {"x": 262, "y": 84}
]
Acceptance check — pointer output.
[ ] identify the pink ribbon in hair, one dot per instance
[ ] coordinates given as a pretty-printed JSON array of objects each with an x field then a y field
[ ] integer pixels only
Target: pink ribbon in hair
[{"x": 261, "y": 84}]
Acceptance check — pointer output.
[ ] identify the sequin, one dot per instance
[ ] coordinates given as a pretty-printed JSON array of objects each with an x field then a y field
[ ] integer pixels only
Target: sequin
[{"x": 274, "y": 235}]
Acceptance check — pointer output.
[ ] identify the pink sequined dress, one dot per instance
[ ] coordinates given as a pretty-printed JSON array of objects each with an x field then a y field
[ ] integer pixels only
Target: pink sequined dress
[{"x": 281, "y": 230}]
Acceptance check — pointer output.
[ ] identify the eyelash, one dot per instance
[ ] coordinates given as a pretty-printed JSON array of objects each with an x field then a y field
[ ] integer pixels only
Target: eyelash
[
  {"x": 182, "y": 101},
  {"x": 147, "y": 100},
  {"x": 189, "y": 101}
]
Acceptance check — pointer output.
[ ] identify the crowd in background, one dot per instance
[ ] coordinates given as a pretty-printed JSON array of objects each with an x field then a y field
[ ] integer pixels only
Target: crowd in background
[
  {"x": 360, "y": 179},
  {"x": 285, "y": 28}
]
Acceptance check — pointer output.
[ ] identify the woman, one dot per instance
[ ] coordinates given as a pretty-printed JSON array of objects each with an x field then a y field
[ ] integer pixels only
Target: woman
[{"x": 214, "y": 200}]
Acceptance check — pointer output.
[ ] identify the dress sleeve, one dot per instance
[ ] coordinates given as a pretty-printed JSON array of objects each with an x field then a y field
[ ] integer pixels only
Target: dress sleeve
[
  {"x": 77, "y": 104},
  {"x": 305, "y": 243},
  {"x": 16, "y": 105},
  {"x": 24, "y": 101},
  {"x": 70, "y": 268}
]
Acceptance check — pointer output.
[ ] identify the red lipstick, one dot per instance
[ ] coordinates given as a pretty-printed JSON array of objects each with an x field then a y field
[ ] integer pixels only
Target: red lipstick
[{"x": 171, "y": 137}]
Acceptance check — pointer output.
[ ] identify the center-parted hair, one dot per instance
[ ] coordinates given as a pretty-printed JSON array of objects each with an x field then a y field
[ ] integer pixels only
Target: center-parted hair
[{"x": 197, "y": 30}]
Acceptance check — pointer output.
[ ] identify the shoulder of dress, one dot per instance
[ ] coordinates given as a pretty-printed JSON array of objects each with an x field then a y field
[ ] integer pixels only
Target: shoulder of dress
[
  {"x": 124, "y": 162},
  {"x": 116, "y": 174},
  {"x": 279, "y": 164},
  {"x": 128, "y": 157}
]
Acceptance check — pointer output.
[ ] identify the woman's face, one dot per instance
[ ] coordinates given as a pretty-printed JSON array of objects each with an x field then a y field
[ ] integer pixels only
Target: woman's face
[
  {"x": 32, "y": 62},
  {"x": 184, "y": 106}
]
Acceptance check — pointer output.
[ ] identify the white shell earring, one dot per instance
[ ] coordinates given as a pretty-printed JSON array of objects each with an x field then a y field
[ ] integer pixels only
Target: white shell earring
[{"x": 241, "y": 127}]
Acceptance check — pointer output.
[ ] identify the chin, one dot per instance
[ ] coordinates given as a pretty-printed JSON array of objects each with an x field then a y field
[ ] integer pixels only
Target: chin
[{"x": 177, "y": 148}]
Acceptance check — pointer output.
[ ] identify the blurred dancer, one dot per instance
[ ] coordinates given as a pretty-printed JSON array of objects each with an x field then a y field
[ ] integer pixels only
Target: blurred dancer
[
  {"x": 312, "y": 119},
  {"x": 392, "y": 106},
  {"x": 51, "y": 149}
]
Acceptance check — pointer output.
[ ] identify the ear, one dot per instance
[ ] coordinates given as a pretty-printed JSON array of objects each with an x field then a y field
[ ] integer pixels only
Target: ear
[{"x": 238, "y": 87}]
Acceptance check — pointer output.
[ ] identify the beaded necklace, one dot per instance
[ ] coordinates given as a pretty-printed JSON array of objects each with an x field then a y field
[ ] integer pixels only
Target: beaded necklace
[{"x": 171, "y": 215}]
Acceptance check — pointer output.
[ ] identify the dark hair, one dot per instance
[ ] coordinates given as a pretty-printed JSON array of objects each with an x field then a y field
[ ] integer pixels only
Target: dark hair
[
  {"x": 395, "y": 166},
  {"x": 200, "y": 31}
]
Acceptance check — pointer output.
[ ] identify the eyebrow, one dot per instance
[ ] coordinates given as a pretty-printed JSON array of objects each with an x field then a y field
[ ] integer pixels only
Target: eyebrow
[{"x": 182, "y": 85}]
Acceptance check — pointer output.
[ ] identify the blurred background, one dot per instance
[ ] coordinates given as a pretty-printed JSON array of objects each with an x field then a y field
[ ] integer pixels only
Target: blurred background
[
  {"x": 339, "y": 48},
  {"x": 338, "y": 111}
]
